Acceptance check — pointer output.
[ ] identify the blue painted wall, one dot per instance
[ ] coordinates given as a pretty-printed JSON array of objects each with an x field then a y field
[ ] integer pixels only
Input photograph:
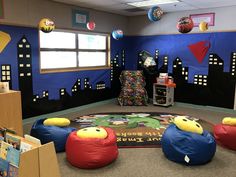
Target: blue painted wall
[
  {"x": 52, "y": 81},
  {"x": 176, "y": 45}
]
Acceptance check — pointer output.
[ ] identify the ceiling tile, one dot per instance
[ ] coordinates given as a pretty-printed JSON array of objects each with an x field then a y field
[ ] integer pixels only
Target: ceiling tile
[
  {"x": 120, "y": 6},
  {"x": 210, "y": 3},
  {"x": 181, "y": 6}
]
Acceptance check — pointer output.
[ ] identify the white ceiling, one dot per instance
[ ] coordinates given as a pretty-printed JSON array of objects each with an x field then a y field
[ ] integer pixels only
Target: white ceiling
[{"x": 120, "y": 6}]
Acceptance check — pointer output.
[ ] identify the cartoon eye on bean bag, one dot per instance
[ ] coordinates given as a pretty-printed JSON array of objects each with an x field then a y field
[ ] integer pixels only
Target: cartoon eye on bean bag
[
  {"x": 47, "y": 133},
  {"x": 187, "y": 143},
  {"x": 91, "y": 147},
  {"x": 225, "y": 133}
]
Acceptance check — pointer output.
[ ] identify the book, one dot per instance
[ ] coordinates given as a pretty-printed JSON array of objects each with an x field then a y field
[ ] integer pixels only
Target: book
[
  {"x": 4, "y": 149},
  {"x": 1, "y": 138},
  {"x": 12, "y": 171},
  {"x": 2, "y": 133},
  {"x": 32, "y": 139},
  {"x": 13, "y": 140},
  {"x": 4, "y": 165},
  {"x": 13, "y": 156},
  {"x": 25, "y": 146}
]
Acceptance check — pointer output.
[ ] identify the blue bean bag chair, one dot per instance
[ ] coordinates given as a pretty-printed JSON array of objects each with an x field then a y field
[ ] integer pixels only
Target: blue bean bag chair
[
  {"x": 51, "y": 133},
  {"x": 186, "y": 147}
]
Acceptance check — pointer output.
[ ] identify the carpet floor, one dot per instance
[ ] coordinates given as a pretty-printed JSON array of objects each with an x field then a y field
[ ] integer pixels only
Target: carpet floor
[
  {"x": 150, "y": 162},
  {"x": 139, "y": 129}
]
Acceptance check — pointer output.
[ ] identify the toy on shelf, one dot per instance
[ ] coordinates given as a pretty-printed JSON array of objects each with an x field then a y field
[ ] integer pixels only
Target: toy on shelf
[
  {"x": 4, "y": 87},
  {"x": 164, "y": 79}
]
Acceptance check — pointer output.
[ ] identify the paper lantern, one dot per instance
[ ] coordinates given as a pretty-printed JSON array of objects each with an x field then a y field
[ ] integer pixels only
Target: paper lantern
[
  {"x": 117, "y": 34},
  {"x": 91, "y": 25},
  {"x": 155, "y": 13},
  {"x": 203, "y": 26},
  {"x": 46, "y": 25},
  {"x": 185, "y": 25}
]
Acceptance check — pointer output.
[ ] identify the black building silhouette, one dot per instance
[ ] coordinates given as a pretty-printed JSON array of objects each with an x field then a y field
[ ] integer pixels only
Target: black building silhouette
[
  {"x": 164, "y": 67},
  {"x": 200, "y": 79},
  {"x": 6, "y": 74},
  {"x": 233, "y": 64}
]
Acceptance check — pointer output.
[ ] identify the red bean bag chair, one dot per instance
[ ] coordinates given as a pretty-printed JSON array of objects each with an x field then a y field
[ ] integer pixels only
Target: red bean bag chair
[
  {"x": 225, "y": 135},
  {"x": 91, "y": 152}
]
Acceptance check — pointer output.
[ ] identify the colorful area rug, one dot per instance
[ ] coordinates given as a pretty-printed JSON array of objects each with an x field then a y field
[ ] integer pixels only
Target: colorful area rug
[{"x": 135, "y": 129}]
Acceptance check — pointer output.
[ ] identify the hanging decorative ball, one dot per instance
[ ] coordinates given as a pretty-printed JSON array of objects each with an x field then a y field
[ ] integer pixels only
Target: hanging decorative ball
[
  {"x": 185, "y": 25},
  {"x": 91, "y": 25},
  {"x": 46, "y": 25},
  {"x": 117, "y": 34},
  {"x": 155, "y": 13},
  {"x": 203, "y": 26}
]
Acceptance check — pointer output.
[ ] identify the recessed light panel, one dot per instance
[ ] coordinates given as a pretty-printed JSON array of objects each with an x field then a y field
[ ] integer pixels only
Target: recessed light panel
[{"x": 151, "y": 2}]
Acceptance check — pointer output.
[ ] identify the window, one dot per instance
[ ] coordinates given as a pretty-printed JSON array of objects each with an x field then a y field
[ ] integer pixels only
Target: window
[{"x": 71, "y": 51}]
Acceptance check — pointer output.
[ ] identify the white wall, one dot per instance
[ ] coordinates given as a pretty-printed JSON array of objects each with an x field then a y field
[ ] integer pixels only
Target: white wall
[
  {"x": 140, "y": 25},
  {"x": 29, "y": 13}
]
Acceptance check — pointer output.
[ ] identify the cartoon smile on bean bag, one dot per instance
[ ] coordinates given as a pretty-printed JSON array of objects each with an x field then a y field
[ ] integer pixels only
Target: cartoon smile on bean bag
[
  {"x": 187, "y": 143},
  {"x": 91, "y": 147},
  {"x": 185, "y": 124}
]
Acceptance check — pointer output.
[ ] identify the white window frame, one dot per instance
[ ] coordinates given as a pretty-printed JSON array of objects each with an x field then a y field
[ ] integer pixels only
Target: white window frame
[{"x": 77, "y": 50}]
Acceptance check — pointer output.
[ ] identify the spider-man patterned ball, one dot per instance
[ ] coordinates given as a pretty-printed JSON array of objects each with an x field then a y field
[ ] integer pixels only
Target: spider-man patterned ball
[{"x": 185, "y": 25}]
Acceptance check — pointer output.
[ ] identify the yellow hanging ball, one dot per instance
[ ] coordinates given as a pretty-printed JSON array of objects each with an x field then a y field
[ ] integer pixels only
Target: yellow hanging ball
[
  {"x": 203, "y": 26},
  {"x": 46, "y": 25}
]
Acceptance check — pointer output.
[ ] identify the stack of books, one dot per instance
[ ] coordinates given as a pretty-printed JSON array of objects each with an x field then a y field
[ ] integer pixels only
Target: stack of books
[{"x": 11, "y": 146}]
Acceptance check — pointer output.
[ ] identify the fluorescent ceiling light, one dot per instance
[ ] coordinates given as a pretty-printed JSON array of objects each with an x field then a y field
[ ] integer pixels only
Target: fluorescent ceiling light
[{"x": 151, "y": 2}]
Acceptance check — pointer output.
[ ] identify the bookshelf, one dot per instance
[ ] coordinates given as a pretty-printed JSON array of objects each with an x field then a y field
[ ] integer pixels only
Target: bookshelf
[
  {"x": 11, "y": 113},
  {"x": 39, "y": 162}
]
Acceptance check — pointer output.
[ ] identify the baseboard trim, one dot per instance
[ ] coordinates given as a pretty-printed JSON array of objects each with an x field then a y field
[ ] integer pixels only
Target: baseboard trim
[
  {"x": 208, "y": 108},
  {"x": 67, "y": 111},
  {"x": 80, "y": 108}
]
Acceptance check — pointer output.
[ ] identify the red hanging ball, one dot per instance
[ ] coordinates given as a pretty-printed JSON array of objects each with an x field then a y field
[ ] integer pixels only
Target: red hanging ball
[{"x": 91, "y": 25}]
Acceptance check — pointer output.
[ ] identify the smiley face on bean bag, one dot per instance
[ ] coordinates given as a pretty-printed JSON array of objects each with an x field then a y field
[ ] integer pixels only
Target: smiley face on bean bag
[
  {"x": 92, "y": 132},
  {"x": 188, "y": 125},
  {"x": 229, "y": 121},
  {"x": 56, "y": 121}
]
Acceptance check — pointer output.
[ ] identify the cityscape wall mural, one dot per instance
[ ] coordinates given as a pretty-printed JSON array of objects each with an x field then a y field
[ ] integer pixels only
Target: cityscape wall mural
[
  {"x": 45, "y": 93},
  {"x": 203, "y": 65}
]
